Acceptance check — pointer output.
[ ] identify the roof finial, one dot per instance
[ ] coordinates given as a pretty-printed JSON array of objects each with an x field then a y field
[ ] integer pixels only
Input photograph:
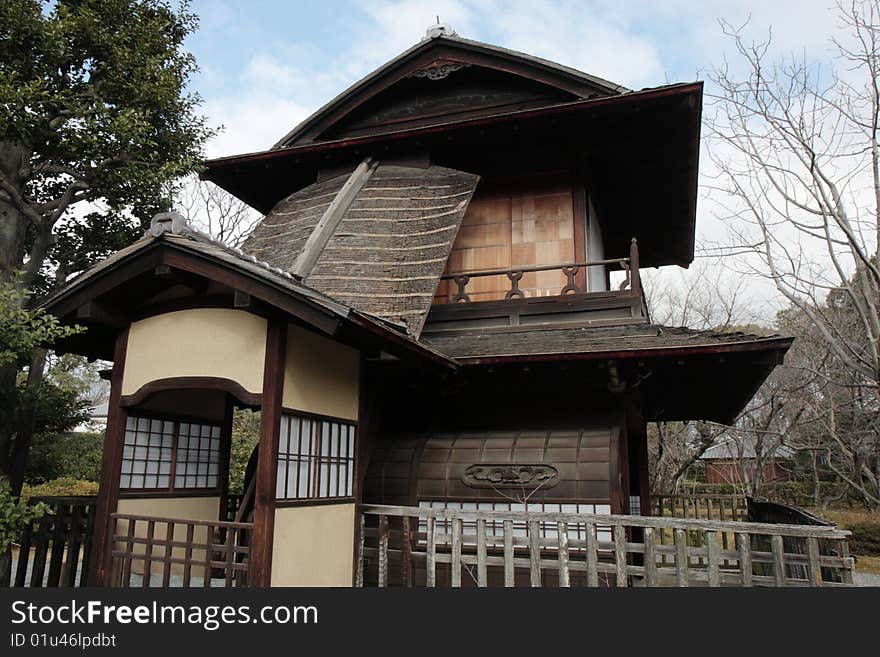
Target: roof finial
[{"x": 439, "y": 30}]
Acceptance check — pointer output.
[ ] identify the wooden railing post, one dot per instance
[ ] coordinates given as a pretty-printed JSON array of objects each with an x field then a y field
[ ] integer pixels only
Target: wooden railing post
[
  {"x": 635, "y": 276},
  {"x": 562, "y": 531},
  {"x": 456, "y": 553},
  {"x": 509, "y": 579}
]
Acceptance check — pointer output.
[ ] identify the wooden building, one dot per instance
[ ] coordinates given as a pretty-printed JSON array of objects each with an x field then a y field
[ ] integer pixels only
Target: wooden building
[
  {"x": 737, "y": 462},
  {"x": 442, "y": 309}
]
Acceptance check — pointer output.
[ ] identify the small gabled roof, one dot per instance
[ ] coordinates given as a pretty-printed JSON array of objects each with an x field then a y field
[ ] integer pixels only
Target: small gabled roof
[
  {"x": 199, "y": 254},
  {"x": 437, "y": 51}
]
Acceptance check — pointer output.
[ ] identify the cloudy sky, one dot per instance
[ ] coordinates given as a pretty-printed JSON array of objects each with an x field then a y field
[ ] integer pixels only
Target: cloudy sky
[{"x": 267, "y": 64}]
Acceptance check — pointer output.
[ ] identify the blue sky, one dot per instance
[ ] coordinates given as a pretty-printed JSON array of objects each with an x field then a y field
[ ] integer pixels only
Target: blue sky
[{"x": 266, "y": 64}]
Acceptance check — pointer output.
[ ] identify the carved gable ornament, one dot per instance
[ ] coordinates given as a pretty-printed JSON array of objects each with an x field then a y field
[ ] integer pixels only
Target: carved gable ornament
[
  {"x": 510, "y": 475},
  {"x": 439, "y": 69}
]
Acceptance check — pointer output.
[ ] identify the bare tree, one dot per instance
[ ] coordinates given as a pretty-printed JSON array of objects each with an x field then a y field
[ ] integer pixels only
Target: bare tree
[
  {"x": 704, "y": 298},
  {"x": 215, "y": 211},
  {"x": 796, "y": 153}
]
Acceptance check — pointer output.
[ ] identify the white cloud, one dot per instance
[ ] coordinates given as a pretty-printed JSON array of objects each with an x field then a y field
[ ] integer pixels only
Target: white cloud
[{"x": 253, "y": 121}]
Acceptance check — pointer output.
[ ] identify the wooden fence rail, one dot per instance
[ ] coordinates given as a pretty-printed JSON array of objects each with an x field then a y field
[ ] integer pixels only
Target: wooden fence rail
[
  {"x": 151, "y": 551},
  {"x": 723, "y": 507},
  {"x": 54, "y": 550},
  {"x": 409, "y": 546}
]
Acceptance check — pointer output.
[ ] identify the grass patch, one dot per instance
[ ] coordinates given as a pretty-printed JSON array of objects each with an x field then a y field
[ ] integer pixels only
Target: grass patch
[{"x": 869, "y": 565}]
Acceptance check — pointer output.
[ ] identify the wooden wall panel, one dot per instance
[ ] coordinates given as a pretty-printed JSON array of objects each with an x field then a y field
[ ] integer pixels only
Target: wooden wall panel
[{"x": 517, "y": 222}]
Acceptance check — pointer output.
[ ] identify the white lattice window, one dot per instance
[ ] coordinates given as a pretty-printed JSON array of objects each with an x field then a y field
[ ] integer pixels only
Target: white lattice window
[
  {"x": 163, "y": 454},
  {"x": 315, "y": 458}
]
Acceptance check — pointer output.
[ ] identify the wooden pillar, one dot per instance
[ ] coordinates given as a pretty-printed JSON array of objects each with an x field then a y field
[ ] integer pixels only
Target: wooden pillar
[
  {"x": 637, "y": 430},
  {"x": 225, "y": 452},
  {"x": 267, "y": 461},
  {"x": 108, "y": 492}
]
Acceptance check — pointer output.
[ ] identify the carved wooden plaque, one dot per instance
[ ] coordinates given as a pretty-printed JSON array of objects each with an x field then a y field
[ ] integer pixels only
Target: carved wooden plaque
[{"x": 510, "y": 475}]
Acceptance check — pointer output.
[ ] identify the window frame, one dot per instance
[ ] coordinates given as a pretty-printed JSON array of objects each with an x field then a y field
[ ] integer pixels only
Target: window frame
[
  {"x": 291, "y": 459},
  {"x": 171, "y": 490}
]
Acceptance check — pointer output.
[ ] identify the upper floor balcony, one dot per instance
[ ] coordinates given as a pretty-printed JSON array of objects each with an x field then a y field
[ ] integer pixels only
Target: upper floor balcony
[{"x": 598, "y": 292}]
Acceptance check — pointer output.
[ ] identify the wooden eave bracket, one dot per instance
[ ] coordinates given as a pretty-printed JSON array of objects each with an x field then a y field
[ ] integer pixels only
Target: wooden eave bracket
[{"x": 96, "y": 313}]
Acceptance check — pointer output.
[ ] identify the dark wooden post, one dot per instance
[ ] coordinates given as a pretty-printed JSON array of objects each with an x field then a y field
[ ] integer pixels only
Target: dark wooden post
[
  {"x": 635, "y": 277},
  {"x": 108, "y": 493},
  {"x": 267, "y": 462}
]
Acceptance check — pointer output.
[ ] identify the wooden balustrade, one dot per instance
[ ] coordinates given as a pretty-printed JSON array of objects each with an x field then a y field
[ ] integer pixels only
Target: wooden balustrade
[
  {"x": 570, "y": 269},
  {"x": 150, "y": 551},
  {"x": 410, "y": 546}
]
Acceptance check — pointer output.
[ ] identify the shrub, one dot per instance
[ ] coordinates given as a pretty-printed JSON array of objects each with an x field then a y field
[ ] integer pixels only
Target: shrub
[
  {"x": 58, "y": 487},
  {"x": 15, "y": 515},
  {"x": 70, "y": 455},
  {"x": 865, "y": 538}
]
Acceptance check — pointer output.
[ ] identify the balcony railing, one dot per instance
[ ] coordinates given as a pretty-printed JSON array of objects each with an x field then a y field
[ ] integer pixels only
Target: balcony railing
[
  {"x": 410, "y": 546},
  {"x": 574, "y": 284},
  {"x": 170, "y": 552}
]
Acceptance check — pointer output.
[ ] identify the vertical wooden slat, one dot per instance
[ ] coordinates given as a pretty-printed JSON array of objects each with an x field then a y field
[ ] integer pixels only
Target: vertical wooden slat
[
  {"x": 230, "y": 556},
  {"x": 209, "y": 547},
  {"x": 187, "y": 556},
  {"x": 405, "y": 553},
  {"x": 592, "y": 556},
  {"x": 24, "y": 554},
  {"x": 59, "y": 536},
  {"x": 129, "y": 552},
  {"x": 778, "y": 559},
  {"x": 87, "y": 544},
  {"x": 481, "y": 553},
  {"x": 383, "y": 551},
  {"x": 148, "y": 554},
  {"x": 620, "y": 555},
  {"x": 650, "y": 558},
  {"x": 509, "y": 579},
  {"x": 430, "y": 554},
  {"x": 562, "y": 531},
  {"x": 73, "y": 545},
  {"x": 456, "y": 553},
  {"x": 681, "y": 558},
  {"x": 815, "y": 569},
  {"x": 846, "y": 571},
  {"x": 534, "y": 554},
  {"x": 744, "y": 548},
  {"x": 169, "y": 553},
  {"x": 359, "y": 564},
  {"x": 40, "y": 550},
  {"x": 712, "y": 547}
]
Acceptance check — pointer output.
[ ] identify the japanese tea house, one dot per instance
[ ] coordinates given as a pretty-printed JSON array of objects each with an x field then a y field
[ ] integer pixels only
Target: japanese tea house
[{"x": 442, "y": 321}]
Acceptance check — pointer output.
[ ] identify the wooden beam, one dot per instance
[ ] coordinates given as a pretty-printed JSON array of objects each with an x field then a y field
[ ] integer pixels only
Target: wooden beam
[
  {"x": 241, "y": 299},
  {"x": 326, "y": 226},
  {"x": 172, "y": 276},
  {"x": 108, "y": 493},
  {"x": 93, "y": 312},
  {"x": 267, "y": 461}
]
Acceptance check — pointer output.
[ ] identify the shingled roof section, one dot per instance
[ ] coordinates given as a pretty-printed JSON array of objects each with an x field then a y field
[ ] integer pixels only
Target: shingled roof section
[
  {"x": 637, "y": 340},
  {"x": 280, "y": 237},
  {"x": 389, "y": 248}
]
